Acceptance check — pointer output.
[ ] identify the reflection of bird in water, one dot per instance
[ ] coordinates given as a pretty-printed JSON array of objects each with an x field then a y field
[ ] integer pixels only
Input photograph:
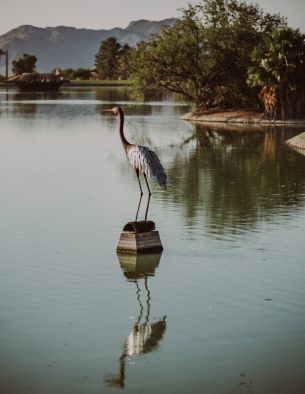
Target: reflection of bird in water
[
  {"x": 142, "y": 159},
  {"x": 144, "y": 336}
]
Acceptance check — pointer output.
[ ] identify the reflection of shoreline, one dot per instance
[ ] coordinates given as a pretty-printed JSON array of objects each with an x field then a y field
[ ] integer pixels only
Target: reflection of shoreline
[
  {"x": 26, "y": 103},
  {"x": 144, "y": 336},
  {"x": 36, "y": 95}
]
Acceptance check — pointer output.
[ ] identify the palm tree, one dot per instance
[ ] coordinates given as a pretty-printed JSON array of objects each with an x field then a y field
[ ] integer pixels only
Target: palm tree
[{"x": 279, "y": 69}]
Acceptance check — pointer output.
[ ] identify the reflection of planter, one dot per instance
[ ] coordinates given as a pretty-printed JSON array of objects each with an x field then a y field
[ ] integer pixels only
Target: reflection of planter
[
  {"x": 39, "y": 82},
  {"x": 138, "y": 266}
]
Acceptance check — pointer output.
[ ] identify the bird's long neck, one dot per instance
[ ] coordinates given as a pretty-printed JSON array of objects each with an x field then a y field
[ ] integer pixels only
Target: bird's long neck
[{"x": 125, "y": 143}]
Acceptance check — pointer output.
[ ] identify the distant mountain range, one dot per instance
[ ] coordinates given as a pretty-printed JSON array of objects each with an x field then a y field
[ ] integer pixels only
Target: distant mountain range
[{"x": 65, "y": 47}]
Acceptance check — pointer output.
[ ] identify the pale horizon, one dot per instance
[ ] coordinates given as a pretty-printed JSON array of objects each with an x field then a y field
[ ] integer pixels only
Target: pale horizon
[{"x": 117, "y": 13}]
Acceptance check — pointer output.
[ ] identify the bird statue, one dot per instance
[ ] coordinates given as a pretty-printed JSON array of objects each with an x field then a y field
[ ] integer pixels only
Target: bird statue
[{"x": 142, "y": 159}]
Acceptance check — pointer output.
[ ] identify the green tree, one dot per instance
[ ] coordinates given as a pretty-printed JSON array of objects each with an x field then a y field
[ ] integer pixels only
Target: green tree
[
  {"x": 81, "y": 73},
  {"x": 106, "y": 60},
  {"x": 206, "y": 54},
  {"x": 175, "y": 61},
  {"x": 25, "y": 64},
  {"x": 123, "y": 62},
  {"x": 68, "y": 73},
  {"x": 279, "y": 70}
]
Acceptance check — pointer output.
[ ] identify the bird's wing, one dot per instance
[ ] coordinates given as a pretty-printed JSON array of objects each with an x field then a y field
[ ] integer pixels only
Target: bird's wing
[{"x": 146, "y": 161}]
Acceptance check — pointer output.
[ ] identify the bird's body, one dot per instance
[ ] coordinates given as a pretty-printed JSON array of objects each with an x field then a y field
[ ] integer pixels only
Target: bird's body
[
  {"x": 146, "y": 162},
  {"x": 142, "y": 159}
]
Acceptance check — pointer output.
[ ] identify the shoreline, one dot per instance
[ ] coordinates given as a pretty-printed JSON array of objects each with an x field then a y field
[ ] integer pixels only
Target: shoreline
[
  {"x": 240, "y": 117},
  {"x": 237, "y": 116},
  {"x": 75, "y": 83}
]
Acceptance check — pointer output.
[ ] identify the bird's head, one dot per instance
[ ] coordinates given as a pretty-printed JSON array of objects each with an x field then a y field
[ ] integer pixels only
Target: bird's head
[{"x": 114, "y": 110}]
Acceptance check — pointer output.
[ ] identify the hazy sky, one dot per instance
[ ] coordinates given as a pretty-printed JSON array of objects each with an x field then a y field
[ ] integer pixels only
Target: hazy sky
[{"x": 99, "y": 14}]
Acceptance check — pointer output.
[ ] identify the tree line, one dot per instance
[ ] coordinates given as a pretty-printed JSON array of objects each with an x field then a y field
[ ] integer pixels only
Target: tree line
[
  {"x": 112, "y": 61},
  {"x": 219, "y": 54},
  {"x": 226, "y": 53}
]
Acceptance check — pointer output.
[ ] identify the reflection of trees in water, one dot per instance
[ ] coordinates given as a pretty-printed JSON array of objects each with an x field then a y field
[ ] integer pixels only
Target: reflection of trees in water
[
  {"x": 144, "y": 336},
  {"x": 25, "y": 109},
  {"x": 236, "y": 177},
  {"x": 27, "y": 105},
  {"x": 37, "y": 96},
  {"x": 112, "y": 94},
  {"x": 123, "y": 96}
]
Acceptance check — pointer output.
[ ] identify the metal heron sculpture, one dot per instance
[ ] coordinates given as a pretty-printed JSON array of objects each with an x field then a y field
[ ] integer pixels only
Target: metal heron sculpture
[{"x": 142, "y": 159}]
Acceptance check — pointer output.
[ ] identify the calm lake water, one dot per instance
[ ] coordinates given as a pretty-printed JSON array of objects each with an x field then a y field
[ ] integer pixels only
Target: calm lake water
[{"x": 222, "y": 310}]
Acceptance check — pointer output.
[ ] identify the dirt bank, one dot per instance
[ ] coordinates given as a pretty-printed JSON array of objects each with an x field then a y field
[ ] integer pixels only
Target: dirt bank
[{"x": 236, "y": 116}]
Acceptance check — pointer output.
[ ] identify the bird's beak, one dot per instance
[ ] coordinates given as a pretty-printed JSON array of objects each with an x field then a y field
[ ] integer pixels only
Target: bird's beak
[{"x": 106, "y": 110}]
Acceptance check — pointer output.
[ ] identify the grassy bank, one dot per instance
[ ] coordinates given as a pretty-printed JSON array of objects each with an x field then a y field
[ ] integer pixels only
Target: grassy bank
[
  {"x": 298, "y": 143},
  {"x": 302, "y": 136},
  {"x": 84, "y": 83}
]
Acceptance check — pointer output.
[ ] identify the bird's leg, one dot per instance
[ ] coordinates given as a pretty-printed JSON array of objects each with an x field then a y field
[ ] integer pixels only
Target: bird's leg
[
  {"x": 141, "y": 194},
  {"x": 149, "y": 194},
  {"x": 140, "y": 303},
  {"x": 147, "y": 301}
]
